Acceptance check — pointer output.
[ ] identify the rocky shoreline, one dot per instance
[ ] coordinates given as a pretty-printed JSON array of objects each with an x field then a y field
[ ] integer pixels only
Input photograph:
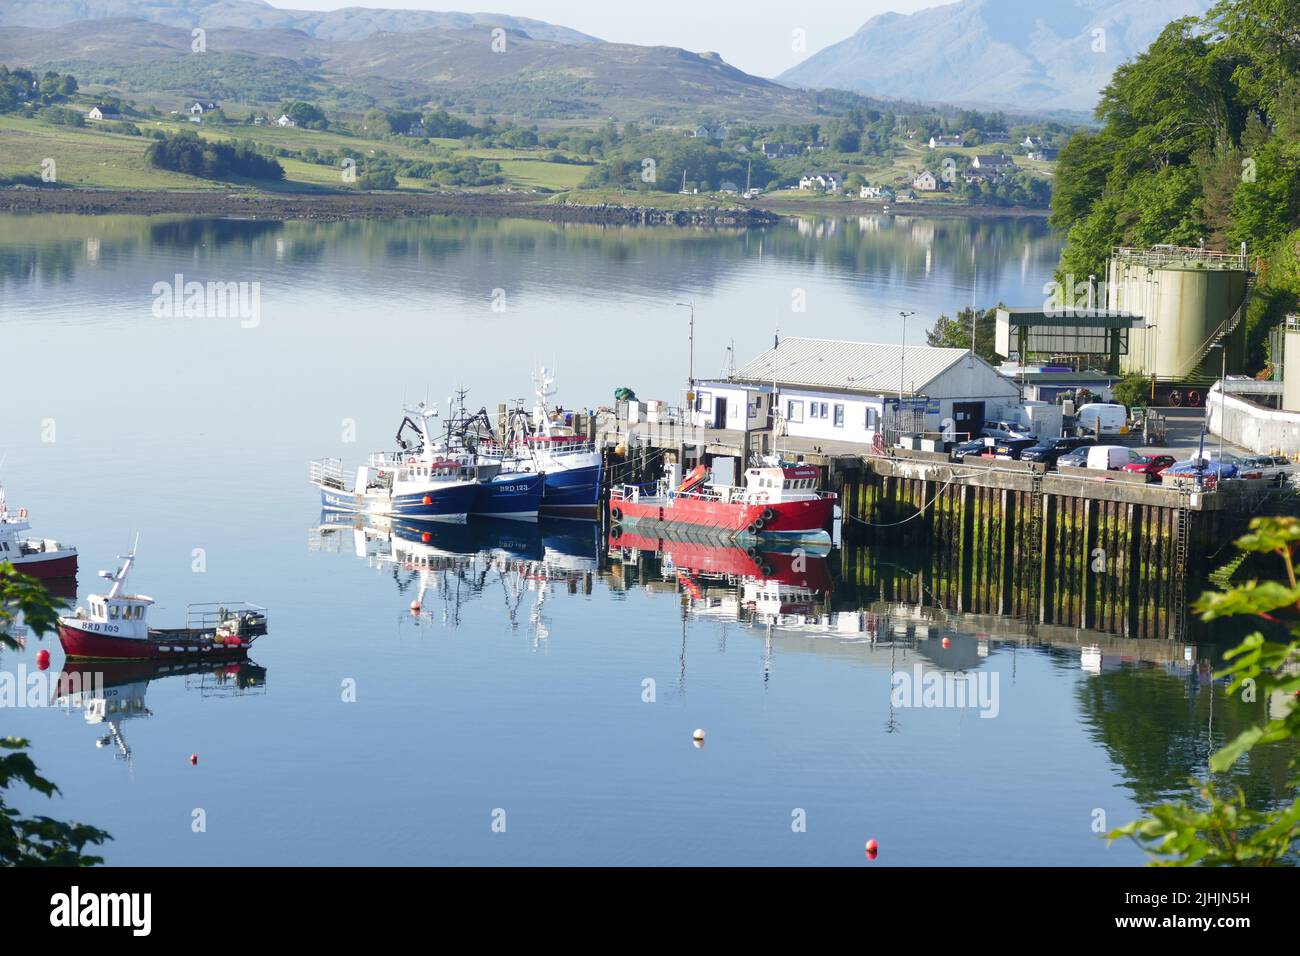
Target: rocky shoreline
[{"x": 334, "y": 207}]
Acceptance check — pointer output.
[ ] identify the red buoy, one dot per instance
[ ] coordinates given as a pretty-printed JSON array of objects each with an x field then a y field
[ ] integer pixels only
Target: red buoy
[
  {"x": 872, "y": 847},
  {"x": 428, "y": 499},
  {"x": 194, "y": 760},
  {"x": 946, "y": 643},
  {"x": 426, "y": 537},
  {"x": 43, "y": 659}
]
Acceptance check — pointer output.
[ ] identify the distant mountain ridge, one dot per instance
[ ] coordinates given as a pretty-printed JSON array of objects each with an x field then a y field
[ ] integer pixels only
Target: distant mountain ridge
[
  {"x": 1026, "y": 54},
  {"x": 348, "y": 23}
]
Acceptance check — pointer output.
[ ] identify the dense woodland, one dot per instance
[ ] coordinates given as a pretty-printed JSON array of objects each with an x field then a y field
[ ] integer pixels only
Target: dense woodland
[{"x": 1199, "y": 138}]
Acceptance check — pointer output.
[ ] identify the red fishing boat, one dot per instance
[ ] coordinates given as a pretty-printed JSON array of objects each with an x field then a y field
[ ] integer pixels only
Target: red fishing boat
[
  {"x": 777, "y": 501},
  {"x": 42, "y": 558},
  {"x": 112, "y": 627}
]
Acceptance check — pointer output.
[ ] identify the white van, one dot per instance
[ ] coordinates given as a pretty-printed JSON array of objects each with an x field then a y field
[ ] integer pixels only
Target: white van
[
  {"x": 1103, "y": 418},
  {"x": 1109, "y": 457}
]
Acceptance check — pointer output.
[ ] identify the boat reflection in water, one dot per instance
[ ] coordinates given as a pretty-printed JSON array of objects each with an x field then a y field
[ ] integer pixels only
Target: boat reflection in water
[
  {"x": 440, "y": 567},
  {"x": 109, "y": 693}
]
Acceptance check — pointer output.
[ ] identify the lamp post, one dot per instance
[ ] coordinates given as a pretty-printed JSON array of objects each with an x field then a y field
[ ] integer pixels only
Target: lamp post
[
  {"x": 690, "y": 371},
  {"x": 902, "y": 358}
]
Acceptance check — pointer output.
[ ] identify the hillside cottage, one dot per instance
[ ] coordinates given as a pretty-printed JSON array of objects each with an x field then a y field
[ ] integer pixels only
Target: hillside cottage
[
  {"x": 827, "y": 181},
  {"x": 875, "y": 192},
  {"x": 926, "y": 182},
  {"x": 285, "y": 121},
  {"x": 994, "y": 164},
  {"x": 780, "y": 150},
  {"x": 103, "y": 113},
  {"x": 945, "y": 142}
]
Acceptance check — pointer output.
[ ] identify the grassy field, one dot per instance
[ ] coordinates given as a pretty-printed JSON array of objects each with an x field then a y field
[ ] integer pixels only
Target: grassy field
[{"x": 94, "y": 156}]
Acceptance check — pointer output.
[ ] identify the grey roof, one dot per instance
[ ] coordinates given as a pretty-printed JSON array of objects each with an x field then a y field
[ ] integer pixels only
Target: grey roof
[{"x": 850, "y": 366}]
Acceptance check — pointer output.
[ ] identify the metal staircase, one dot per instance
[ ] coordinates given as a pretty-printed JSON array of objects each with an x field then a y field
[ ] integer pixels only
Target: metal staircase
[
  {"x": 1195, "y": 372},
  {"x": 1181, "y": 549}
]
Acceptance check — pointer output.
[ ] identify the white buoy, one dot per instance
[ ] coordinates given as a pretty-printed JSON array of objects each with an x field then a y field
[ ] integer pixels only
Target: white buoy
[
  {"x": 698, "y": 736},
  {"x": 415, "y": 607}
]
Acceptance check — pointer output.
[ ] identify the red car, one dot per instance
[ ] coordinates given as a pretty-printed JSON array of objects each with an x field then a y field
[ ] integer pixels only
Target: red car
[{"x": 1150, "y": 465}]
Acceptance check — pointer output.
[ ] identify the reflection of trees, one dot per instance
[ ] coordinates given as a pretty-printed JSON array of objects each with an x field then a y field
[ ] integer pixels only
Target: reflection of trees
[
  {"x": 469, "y": 252},
  {"x": 1161, "y": 729}
]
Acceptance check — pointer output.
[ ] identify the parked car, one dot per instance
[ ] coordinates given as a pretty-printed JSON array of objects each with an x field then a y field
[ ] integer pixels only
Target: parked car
[
  {"x": 1074, "y": 459},
  {"x": 1012, "y": 448},
  {"x": 1108, "y": 457},
  {"x": 976, "y": 446},
  {"x": 1002, "y": 430},
  {"x": 1150, "y": 465},
  {"x": 1274, "y": 469},
  {"x": 1049, "y": 450},
  {"x": 1102, "y": 418},
  {"x": 1206, "y": 467}
]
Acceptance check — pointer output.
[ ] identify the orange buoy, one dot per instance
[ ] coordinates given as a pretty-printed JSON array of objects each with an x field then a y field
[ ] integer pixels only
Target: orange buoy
[{"x": 428, "y": 499}]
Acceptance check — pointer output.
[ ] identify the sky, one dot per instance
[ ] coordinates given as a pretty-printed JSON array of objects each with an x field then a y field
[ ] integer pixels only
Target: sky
[{"x": 757, "y": 36}]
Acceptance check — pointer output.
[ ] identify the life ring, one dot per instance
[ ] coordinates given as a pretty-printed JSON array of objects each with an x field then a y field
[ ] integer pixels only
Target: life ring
[
  {"x": 1193, "y": 398},
  {"x": 22, "y": 514}
]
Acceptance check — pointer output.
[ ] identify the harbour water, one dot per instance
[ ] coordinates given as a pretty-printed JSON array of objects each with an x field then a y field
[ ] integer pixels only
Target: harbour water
[{"x": 549, "y": 684}]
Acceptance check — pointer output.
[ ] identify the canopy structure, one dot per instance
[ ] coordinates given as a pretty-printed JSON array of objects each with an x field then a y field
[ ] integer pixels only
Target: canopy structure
[{"x": 1083, "y": 337}]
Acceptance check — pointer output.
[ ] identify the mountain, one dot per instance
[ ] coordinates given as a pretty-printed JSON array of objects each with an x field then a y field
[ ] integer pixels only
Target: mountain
[
  {"x": 349, "y": 23},
  {"x": 1021, "y": 54},
  {"x": 535, "y": 78}
]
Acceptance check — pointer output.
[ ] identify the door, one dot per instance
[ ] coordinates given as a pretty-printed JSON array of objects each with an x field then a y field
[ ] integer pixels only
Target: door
[
  {"x": 967, "y": 418},
  {"x": 719, "y": 412}
]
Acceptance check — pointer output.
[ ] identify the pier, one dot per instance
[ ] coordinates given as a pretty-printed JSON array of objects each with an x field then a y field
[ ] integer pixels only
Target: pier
[{"x": 1075, "y": 548}]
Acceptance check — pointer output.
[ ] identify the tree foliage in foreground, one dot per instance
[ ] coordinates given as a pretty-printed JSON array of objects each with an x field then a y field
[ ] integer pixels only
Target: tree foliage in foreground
[
  {"x": 38, "y": 840},
  {"x": 1221, "y": 829}
]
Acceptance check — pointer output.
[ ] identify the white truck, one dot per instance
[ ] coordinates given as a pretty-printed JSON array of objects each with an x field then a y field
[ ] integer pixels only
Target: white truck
[
  {"x": 1109, "y": 457},
  {"x": 1103, "y": 418}
]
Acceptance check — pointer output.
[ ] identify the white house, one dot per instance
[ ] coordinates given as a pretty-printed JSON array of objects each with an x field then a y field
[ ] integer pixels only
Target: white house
[
  {"x": 851, "y": 391},
  {"x": 875, "y": 192},
  {"x": 942, "y": 142},
  {"x": 995, "y": 164},
  {"x": 926, "y": 182},
  {"x": 103, "y": 113},
  {"x": 827, "y": 181},
  {"x": 1032, "y": 142},
  {"x": 285, "y": 121},
  {"x": 738, "y": 406}
]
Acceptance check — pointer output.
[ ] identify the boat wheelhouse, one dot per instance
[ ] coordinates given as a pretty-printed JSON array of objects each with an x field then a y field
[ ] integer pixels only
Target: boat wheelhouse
[{"x": 776, "y": 501}]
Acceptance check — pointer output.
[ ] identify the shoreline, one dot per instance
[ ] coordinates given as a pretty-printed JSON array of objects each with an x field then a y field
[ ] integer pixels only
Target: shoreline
[{"x": 339, "y": 207}]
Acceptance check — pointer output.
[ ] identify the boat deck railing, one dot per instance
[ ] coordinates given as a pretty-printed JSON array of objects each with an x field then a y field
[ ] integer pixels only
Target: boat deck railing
[
  {"x": 327, "y": 471},
  {"x": 211, "y": 614}
]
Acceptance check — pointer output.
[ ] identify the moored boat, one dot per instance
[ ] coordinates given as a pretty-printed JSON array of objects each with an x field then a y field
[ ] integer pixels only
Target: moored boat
[
  {"x": 113, "y": 626},
  {"x": 42, "y": 558},
  {"x": 776, "y": 501},
  {"x": 421, "y": 484}
]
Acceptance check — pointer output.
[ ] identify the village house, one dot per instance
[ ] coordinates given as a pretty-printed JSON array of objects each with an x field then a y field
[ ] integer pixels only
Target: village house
[
  {"x": 994, "y": 164},
  {"x": 926, "y": 182},
  {"x": 285, "y": 121},
  {"x": 992, "y": 137},
  {"x": 827, "y": 181},
  {"x": 101, "y": 112},
  {"x": 942, "y": 142},
  {"x": 1032, "y": 142},
  {"x": 854, "y": 391},
  {"x": 1042, "y": 155},
  {"x": 781, "y": 150},
  {"x": 875, "y": 192},
  {"x": 198, "y": 108},
  {"x": 716, "y": 133}
]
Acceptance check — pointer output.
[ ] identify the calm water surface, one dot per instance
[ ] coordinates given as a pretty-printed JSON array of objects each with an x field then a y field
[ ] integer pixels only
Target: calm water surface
[{"x": 521, "y": 685}]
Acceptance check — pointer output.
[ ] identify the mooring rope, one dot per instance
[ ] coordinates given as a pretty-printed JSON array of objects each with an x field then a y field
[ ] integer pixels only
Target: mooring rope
[{"x": 920, "y": 511}]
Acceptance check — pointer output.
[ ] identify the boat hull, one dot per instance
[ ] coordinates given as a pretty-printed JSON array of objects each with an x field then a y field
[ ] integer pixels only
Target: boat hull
[
  {"x": 453, "y": 503},
  {"x": 91, "y": 641},
  {"x": 47, "y": 567},
  {"x": 573, "y": 492},
  {"x": 510, "y": 495},
  {"x": 789, "y": 520}
]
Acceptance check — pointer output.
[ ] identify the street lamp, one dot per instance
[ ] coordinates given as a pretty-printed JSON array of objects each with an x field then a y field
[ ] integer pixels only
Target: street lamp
[
  {"x": 902, "y": 359},
  {"x": 690, "y": 373}
]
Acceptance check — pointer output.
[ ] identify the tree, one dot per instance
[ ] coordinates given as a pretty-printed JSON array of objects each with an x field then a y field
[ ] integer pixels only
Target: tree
[
  {"x": 955, "y": 333},
  {"x": 1133, "y": 389},
  {"x": 39, "y": 840},
  {"x": 1223, "y": 830},
  {"x": 378, "y": 179}
]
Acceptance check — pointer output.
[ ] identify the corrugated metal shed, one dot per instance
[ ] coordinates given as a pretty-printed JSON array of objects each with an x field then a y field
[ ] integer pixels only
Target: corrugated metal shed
[{"x": 866, "y": 367}]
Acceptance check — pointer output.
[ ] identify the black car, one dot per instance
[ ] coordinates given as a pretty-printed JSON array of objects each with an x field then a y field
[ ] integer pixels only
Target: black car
[
  {"x": 1049, "y": 450},
  {"x": 976, "y": 446},
  {"x": 1013, "y": 448}
]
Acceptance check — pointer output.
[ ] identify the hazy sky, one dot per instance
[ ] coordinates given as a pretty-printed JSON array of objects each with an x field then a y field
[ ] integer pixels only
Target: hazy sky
[{"x": 755, "y": 35}]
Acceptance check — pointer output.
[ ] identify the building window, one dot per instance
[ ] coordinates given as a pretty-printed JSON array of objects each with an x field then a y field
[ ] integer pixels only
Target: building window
[
  {"x": 873, "y": 419},
  {"x": 839, "y": 416},
  {"x": 704, "y": 402},
  {"x": 794, "y": 410}
]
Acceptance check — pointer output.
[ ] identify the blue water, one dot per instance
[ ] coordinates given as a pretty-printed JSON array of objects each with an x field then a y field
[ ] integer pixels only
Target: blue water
[{"x": 519, "y": 686}]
